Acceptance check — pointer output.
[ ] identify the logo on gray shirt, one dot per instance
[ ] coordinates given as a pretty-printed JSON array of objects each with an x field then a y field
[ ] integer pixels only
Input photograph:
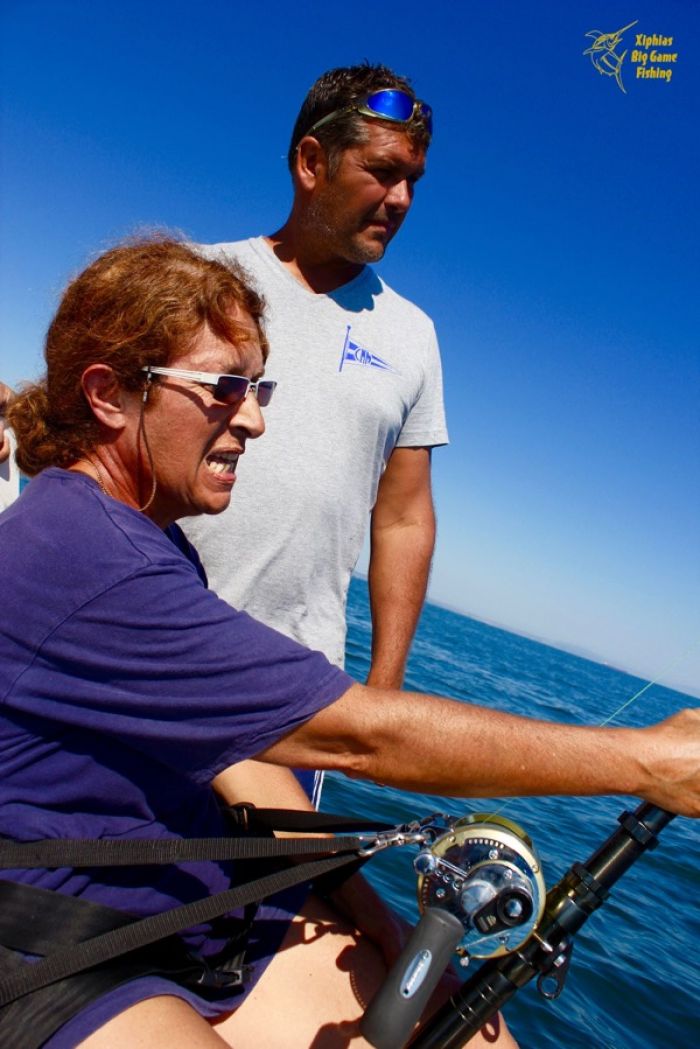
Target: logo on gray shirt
[{"x": 356, "y": 354}]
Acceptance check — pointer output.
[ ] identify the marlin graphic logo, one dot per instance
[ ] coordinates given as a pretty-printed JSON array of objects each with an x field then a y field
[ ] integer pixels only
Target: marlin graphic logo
[
  {"x": 603, "y": 54},
  {"x": 356, "y": 354}
]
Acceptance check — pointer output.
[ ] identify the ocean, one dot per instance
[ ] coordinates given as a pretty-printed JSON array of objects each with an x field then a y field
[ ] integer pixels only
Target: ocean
[{"x": 634, "y": 981}]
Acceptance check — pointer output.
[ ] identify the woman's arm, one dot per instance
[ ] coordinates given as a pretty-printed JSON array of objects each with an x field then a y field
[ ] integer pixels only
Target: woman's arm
[{"x": 439, "y": 746}]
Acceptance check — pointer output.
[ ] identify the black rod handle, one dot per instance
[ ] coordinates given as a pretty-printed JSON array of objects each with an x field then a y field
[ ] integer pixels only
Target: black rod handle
[
  {"x": 473, "y": 1005},
  {"x": 397, "y": 1006}
]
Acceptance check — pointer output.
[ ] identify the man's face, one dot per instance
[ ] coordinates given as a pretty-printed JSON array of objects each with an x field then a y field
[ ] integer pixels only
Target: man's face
[
  {"x": 356, "y": 211},
  {"x": 195, "y": 441}
]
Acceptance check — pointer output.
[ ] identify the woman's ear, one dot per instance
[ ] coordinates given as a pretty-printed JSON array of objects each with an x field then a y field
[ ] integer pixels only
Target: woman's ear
[{"x": 105, "y": 396}]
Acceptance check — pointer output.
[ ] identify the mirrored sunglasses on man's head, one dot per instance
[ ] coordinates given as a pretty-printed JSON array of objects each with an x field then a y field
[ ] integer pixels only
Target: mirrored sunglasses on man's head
[
  {"x": 228, "y": 389},
  {"x": 392, "y": 104}
]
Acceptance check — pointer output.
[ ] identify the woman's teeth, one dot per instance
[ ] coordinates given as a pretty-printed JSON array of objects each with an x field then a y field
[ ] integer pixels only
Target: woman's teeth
[{"x": 221, "y": 463}]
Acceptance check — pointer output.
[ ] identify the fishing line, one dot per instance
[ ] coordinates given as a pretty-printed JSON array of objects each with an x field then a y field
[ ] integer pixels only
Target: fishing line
[
  {"x": 667, "y": 670},
  {"x": 628, "y": 702}
]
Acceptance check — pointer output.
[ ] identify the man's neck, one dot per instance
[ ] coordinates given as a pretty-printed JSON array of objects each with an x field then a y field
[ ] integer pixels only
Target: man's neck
[{"x": 310, "y": 264}]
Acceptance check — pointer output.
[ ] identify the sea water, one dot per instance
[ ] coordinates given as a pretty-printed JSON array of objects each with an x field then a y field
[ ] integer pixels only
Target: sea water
[{"x": 634, "y": 981}]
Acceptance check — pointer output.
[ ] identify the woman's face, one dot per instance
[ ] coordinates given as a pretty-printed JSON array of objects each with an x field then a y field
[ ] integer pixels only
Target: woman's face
[{"x": 195, "y": 441}]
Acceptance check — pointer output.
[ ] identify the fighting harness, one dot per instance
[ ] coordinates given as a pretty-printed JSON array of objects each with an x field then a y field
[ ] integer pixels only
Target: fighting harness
[{"x": 84, "y": 949}]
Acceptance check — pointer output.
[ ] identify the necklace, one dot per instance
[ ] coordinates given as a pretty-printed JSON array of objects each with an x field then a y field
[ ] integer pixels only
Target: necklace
[
  {"x": 100, "y": 478},
  {"x": 101, "y": 483}
]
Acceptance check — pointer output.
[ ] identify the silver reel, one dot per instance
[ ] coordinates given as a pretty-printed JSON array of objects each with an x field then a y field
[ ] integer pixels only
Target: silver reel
[{"x": 484, "y": 870}]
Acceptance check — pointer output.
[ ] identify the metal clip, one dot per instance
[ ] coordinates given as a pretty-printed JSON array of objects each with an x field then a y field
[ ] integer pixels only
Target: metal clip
[
  {"x": 405, "y": 834},
  {"x": 550, "y": 982}
]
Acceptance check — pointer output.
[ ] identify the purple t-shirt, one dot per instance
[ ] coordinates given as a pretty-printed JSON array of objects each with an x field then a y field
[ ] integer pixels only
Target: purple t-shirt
[{"x": 126, "y": 686}]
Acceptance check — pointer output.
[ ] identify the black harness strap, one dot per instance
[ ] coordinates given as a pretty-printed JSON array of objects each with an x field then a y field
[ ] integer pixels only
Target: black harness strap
[
  {"x": 87, "y": 948},
  {"x": 37, "y": 921},
  {"x": 102, "y": 948},
  {"x": 133, "y": 852},
  {"x": 289, "y": 819},
  {"x": 28, "y": 1022}
]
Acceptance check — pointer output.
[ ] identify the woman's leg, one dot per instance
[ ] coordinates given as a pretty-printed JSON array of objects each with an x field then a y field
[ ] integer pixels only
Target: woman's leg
[
  {"x": 315, "y": 991},
  {"x": 311, "y": 996}
]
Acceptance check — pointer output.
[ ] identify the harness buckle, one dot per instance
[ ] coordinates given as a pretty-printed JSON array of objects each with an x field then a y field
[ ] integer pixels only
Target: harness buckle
[
  {"x": 219, "y": 979},
  {"x": 414, "y": 833}
]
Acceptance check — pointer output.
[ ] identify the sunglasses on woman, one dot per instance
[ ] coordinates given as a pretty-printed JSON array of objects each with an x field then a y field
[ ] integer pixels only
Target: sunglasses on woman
[{"x": 229, "y": 389}]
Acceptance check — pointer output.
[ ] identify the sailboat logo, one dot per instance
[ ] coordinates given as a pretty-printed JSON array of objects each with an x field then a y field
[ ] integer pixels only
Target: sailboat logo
[{"x": 353, "y": 353}]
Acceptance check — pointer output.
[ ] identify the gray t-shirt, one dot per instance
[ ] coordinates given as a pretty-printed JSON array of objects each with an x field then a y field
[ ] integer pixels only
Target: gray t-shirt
[{"x": 359, "y": 374}]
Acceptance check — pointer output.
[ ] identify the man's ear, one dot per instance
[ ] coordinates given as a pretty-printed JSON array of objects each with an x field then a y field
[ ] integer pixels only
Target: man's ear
[
  {"x": 105, "y": 396},
  {"x": 311, "y": 163}
]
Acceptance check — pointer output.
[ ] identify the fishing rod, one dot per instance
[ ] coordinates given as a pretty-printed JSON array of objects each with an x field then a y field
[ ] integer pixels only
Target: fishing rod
[{"x": 482, "y": 895}]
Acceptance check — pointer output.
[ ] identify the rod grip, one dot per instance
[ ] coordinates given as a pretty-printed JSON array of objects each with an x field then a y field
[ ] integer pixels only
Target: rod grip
[{"x": 399, "y": 1002}]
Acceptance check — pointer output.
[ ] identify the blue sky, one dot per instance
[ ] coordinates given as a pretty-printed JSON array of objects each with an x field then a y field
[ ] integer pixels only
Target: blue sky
[{"x": 554, "y": 241}]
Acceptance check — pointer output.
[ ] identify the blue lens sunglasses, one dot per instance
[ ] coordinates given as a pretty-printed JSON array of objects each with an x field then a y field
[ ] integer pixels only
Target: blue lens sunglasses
[{"x": 388, "y": 104}]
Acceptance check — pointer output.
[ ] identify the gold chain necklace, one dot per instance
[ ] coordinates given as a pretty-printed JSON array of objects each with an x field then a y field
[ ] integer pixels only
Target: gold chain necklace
[
  {"x": 101, "y": 483},
  {"x": 100, "y": 478}
]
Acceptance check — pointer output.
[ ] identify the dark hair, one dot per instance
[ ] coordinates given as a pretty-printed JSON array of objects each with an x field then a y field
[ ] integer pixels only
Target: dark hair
[
  {"x": 337, "y": 89},
  {"x": 140, "y": 303}
]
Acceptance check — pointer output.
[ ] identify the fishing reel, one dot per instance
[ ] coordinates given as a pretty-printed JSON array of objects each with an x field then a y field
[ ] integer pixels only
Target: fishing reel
[
  {"x": 484, "y": 870},
  {"x": 481, "y": 895}
]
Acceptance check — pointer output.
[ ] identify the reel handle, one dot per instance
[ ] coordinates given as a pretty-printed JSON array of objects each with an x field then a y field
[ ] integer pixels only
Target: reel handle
[{"x": 399, "y": 1002}]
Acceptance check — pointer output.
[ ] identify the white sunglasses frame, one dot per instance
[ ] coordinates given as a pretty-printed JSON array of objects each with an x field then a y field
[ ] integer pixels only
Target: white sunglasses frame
[{"x": 212, "y": 379}]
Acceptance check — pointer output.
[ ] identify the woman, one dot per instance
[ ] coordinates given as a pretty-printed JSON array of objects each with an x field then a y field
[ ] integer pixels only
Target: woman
[
  {"x": 121, "y": 453},
  {"x": 130, "y": 690}
]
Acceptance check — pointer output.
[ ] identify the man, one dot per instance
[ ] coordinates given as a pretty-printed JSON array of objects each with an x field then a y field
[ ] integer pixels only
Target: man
[{"x": 359, "y": 404}]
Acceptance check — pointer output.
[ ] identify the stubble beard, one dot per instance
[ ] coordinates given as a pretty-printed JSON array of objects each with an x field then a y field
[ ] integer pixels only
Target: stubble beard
[
  {"x": 348, "y": 246},
  {"x": 365, "y": 251}
]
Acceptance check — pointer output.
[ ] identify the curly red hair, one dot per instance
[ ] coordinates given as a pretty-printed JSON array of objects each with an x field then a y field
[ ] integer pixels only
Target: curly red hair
[{"x": 140, "y": 303}]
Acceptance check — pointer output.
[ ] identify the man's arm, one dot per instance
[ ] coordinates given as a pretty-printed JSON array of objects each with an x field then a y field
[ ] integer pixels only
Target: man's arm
[
  {"x": 439, "y": 746},
  {"x": 402, "y": 538}
]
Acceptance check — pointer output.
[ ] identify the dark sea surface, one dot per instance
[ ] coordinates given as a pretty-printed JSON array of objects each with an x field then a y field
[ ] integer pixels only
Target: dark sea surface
[{"x": 635, "y": 975}]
